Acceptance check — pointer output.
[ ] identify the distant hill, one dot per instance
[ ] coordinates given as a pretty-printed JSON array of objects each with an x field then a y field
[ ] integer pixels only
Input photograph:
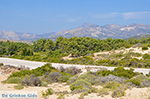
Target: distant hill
[
  {"x": 16, "y": 36},
  {"x": 85, "y": 30},
  {"x": 139, "y": 37},
  {"x": 106, "y": 31}
]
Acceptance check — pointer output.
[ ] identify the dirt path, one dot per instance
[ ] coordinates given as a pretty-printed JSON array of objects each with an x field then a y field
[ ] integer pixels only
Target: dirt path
[{"x": 33, "y": 65}]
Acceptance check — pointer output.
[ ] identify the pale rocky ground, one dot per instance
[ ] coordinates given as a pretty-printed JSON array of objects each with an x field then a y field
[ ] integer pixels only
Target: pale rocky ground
[
  {"x": 124, "y": 51},
  {"x": 134, "y": 93}
]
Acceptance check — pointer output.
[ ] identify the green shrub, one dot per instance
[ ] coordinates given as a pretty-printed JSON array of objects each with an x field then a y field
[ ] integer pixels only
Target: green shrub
[
  {"x": 104, "y": 72},
  {"x": 81, "y": 86},
  {"x": 44, "y": 84},
  {"x": 31, "y": 81},
  {"x": 65, "y": 77},
  {"x": 145, "y": 83},
  {"x": 48, "y": 92},
  {"x": 90, "y": 78},
  {"x": 71, "y": 70},
  {"x": 86, "y": 60},
  {"x": 1, "y": 64},
  {"x": 54, "y": 76},
  {"x": 118, "y": 93},
  {"x": 21, "y": 73},
  {"x": 13, "y": 80},
  {"x": 37, "y": 72},
  {"x": 146, "y": 56},
  {"x": 72, "y": 79},
  {"x": 81, "y": 96},
  {"x": 18, "y": 87},
  {"x": 103, "y": 91},
  {"x": 144, "y": 48},
  {"x": 119, "y": 71},
  {"x": 61, "y": 96},
  {"x": 112, "y": 85},
  {"x": 137, "y": 80}
]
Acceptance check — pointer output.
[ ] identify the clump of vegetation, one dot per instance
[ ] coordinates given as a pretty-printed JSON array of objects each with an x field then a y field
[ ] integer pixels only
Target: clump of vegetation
[
  {"x": 71, "y": 70},
  {"x": 37, "y": 72},
  {"x": 13, "y": 80},
  {"x": 1, "y": 64},
  {"x": 103, "y": 91},
  {"x": 118, "y": 93},
  {"x": 110, "y": 78},
  {"x": 137, "y": 80},
  {"x": 61, "y": 96},
  {"x": 53, "y": 51},
  {"x": 81, "y": 96},
  {"x": 112, "y": 85},
  {"x": 31, "y": 81},
  {"x": 146, "y": 56},
  {"x": 81, "y": 86},
  {"x": 19, "y": 87},
  {"x": 144, "y": 48},
  {"x": 40, "y": 76},
  {"x": 145, "y": 83},
  {"x": 72, "y": 79},
  {"x": 48, "y": 92},
  {"x": 89, "y": 77},
  {"x": 54, "y": 76},
  {"x": 119, "y": 71}
]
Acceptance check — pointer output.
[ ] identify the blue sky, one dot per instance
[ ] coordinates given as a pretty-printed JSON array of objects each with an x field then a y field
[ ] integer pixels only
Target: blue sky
[{"x": 41, "y": 16}]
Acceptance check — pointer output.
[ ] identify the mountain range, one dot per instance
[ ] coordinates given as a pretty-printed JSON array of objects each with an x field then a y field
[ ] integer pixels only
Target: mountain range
[{"x": 85, "y": 30}]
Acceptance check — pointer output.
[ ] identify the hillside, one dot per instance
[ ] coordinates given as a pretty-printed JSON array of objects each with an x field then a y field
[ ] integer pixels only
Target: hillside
[
  {"x": 106, "y": 31},
  {"x": 17, "y": 36},
  {"x": 85, "y": 30}
]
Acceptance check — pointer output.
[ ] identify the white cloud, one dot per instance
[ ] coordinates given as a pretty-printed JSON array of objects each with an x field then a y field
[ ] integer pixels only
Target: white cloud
[
  {"x": 124, "y": 15},
  {"x": 105, "y": 15},
  {"x": 135, "y": 15}
]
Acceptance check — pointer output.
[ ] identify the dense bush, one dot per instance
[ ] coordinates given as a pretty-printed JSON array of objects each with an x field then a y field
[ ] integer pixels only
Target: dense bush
[
  {"x": 61, "y": 96},
  {"x": 13, "y": 80},
  {"x": 31, "y": 81},
  {"x": 72, "y": 79},
  {"x": 70, "y": 70},
  {"x": 104, "y": 72},
  {"x": 137, "y": 80},
  {"x": 53, "y": 77},
  {"x": 146, "y": 56},
  {"x": 110, "y": 78},
  {"x": 53, "y": 51},
  {"x": 144, "y": 48},
  {"x": 103, "y": 91},
  {"x": 93, "y": 79},
  {"x": 48, "y": 92},
  {"x": 18, "y": 87},
  {"x": 86, "y": 60},
  {"x": 37, "y": 72},
  {"x": 118, "y": 93},
  {"x": 1, "y": 64},
  {"x": 112, "y": 85},
  {"x": 119, "y": 71},
  {"x": 81, "y": 86},
  {"x": 145, "y": 83}
]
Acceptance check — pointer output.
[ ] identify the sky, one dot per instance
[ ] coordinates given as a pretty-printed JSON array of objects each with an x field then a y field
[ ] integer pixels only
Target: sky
[{"x": 44, "y": 16}]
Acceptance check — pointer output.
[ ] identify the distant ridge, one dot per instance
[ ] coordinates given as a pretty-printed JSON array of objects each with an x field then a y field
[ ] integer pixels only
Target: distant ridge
[{"x": 85, "y": 30}]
